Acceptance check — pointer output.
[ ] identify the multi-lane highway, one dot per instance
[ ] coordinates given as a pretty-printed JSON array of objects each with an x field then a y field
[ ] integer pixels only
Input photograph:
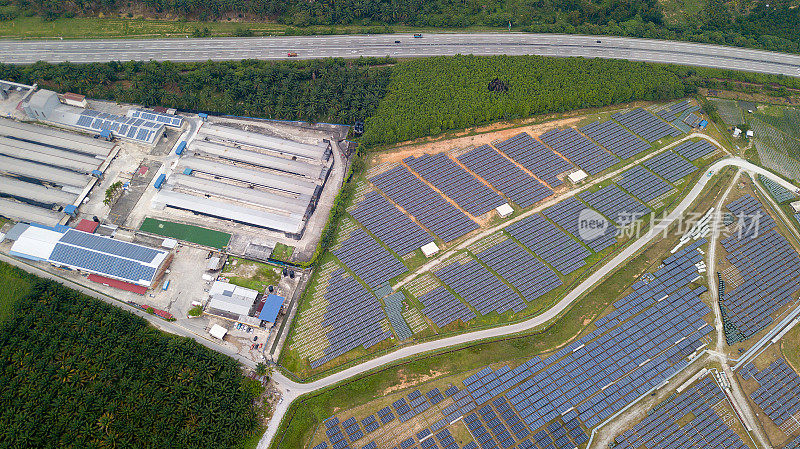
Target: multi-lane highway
[{"x": 399, "y": 45}]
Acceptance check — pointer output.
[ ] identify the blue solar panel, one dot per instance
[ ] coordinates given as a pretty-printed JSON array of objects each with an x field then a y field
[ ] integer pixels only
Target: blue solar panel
[
  {"x": 102, "y": 263},
  {"x": 110, "y": 246}
]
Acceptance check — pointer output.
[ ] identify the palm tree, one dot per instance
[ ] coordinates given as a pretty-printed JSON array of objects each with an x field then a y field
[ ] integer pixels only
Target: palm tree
[{"x": 262, "y": 370}]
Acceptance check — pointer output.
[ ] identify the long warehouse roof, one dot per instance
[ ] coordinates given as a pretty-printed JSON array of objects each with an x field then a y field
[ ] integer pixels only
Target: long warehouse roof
[
  {"x": 91, "y": 252},
  {"x": 25, "y": 212},
  {"x": 309, "y": 169},
  {"x": 311, "y": 151},
  {"x": 297, "y": 205},
  {"x": 21, "y": 149},
  {"x": 221, "y": 209},
  {"x": 50, "y": 136},
  {"x": 248, "y": 175},
  {"x": 36, "y": 192},
  {"x": 42, "y": 172}
]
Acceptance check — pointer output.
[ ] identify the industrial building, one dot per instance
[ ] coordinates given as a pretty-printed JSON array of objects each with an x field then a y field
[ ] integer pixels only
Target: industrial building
[
  {"x": 46, "y": 105},
  {"x": 248, "y": 178},
  {"x": 44, "y": 172},
  {"x": 231, "y": 301},
  {"x": 127, "y": 265}
]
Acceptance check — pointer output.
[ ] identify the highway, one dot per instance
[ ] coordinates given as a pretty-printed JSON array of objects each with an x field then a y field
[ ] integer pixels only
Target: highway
[
  {"x": 292, "y": 390},
  {"x": 400, "y": 46}
]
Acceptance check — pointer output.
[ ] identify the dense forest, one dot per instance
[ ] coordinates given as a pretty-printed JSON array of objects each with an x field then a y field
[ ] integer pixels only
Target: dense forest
[
  {"x": 76, "y": 372},
  {"x": 428, "y": 96},
  {"x": 329, "y": 90},
  {"x": 769, "y": 24}
]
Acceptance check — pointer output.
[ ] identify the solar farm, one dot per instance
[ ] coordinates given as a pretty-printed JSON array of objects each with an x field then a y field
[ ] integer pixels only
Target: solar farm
[
  {"x": 555, "y": 401},
  {"x": 776, "y": 394},
  {"x": 436, "y": 200},
  {"x": 755, "y": 287}
]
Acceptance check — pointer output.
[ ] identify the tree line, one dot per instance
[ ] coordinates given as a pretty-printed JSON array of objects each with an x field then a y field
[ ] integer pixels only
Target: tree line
[
  {"x": 432, "y": 95},
  {"x": 327, "y": 90},
  {"x": 768, "y": 24},
  {"x": 76, "y": 372}
]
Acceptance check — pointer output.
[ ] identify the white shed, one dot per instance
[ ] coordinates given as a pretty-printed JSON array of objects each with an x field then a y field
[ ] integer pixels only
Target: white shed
[{"x": 218, "y": 331}]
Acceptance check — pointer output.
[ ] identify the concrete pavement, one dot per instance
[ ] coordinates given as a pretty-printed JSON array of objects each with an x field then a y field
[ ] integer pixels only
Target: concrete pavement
[{"x": 400, "y": 46}]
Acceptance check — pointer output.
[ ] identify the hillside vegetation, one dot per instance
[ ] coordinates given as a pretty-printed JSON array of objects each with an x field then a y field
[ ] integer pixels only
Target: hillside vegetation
[
  {"x": 76, "y": 372},
  {"x": 428, "y": 96}
]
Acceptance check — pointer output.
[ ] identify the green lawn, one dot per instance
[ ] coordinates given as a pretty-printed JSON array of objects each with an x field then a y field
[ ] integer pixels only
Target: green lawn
[
  {"x": 188, "y": 233},
  {"x": 282, "y": 252},
  {"x": 16, "y": 284}
]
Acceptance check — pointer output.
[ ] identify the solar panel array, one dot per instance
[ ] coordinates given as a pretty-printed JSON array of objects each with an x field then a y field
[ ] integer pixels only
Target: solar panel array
[
  {"x": 615, "y": 138},
  {"x": 794, "y": 444},
  {"x": 369, "y": 260},
  {"x": 480, "y": 288},
  {"x": 129, "y": 127},
  {"x": 578, "y": 149},
  {"x": 777, "y": 191},
  {"x": 530, "y": 276},
  {"x": 392, "y": 227},
  {"x": 551, "y": 403},
  {"x": 693, "y": 150},
  {"x": 616, "y": 205},
  {"x": 110, "y": 265},
  {"x": 451, "y": 179},
  {"x": 353, "y": 315},
  {"x": 110, "y": 246},
  {"x": 537, "y": 158},
  {"x": 436, "y": 436},
  {"x": 505, "y": 176},
  {"x": 167, "y": 119},
  {"x": 645, "y": 124},
  {"x": 670, "y": 166},
  {"x": 394, "y": 311},
  {"x": 643, "y": 184},
  {"x": 645, "y": 340},
  {"x": 675, "y": 110},
  {"x": 443, "y": 308},
  {"x": 567, "y": 215},
  {"x": 706, "y": 429},
  {"x": 434, "y": 212},
  {"x": 777, "y": 394},
  {"x": 550, "y": 243},
  {"x": 768, "y": 264}
]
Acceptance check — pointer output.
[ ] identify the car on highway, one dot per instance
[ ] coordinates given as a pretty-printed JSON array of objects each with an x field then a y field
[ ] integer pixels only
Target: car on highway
[
  {"x": 291, "y": 54},
  {"x": 396, "y": 42},
  {"x": 417, "y": 35}
]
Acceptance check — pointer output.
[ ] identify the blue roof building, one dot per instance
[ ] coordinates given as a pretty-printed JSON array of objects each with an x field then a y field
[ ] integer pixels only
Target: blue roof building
[{"x": 272, "y": 306}]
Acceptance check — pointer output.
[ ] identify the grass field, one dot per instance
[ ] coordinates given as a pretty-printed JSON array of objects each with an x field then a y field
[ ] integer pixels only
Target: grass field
[
  {"x": 249, "y": 274},
  {"x": 790, "y": 346},
  {"x": 282, "y": 252},
  {"x": 15, "y": 284},
  {"x": 189, "y": 233}
]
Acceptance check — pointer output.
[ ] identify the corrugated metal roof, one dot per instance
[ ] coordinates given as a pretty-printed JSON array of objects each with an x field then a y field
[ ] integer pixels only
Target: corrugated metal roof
[
  {"x": 39, "y": 193},
  {"x": 39, "y": 153},
  {"x": 289, "y": 204},
  {"x": 311, "y": 151},
  {"x": 300, "y": 167},
  {"x": 50, "y": 136},
  {"x": 252, "y": 176},
  {"x": 42, "y": 172},
  {"x": 272, "y": 305},
  {"x": 25, "y": 212},
  {"x": 220, "y": 209},
  {"x": 122, "y": 285}
]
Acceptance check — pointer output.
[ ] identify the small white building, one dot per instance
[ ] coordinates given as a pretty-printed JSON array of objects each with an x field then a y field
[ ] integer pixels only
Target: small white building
[
  {"x": 577, "y": 176},
  {"x": 504, "y": 210},
  {"x": 737, "y": 132},
  {"x": 795, "y": 206},
  {"x": 218, "y": 331},
  {"x": 430, "y": 249},
  {"x": 749, "y": 133},
  {"x": 72, "y": 99}
]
